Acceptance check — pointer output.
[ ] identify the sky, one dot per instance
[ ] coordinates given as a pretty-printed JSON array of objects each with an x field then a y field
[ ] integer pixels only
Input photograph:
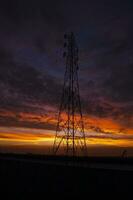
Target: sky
[{"x": 32, "y": 71}]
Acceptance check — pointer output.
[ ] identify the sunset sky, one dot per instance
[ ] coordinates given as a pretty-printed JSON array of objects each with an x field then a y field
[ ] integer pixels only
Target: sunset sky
[{"x": 32, "y": 71}]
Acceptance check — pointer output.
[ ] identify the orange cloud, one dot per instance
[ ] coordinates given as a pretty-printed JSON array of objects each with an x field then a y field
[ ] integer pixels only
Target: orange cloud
[
  {"x": 27, "y": 136},
  {"x": 99, "y": 131}
]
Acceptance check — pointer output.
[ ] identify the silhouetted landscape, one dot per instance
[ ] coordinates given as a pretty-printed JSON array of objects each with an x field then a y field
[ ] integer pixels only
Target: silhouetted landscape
[{"x": 23, "y": 176}]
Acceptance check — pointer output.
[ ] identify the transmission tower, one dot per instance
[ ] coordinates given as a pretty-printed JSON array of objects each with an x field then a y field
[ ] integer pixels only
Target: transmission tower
[{"x": 70, "y": 136}]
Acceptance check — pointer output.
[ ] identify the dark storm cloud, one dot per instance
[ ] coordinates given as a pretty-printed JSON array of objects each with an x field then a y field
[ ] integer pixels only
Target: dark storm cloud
[
  {"x": 31, "y": 65},
  {"x": 120, "y": 84},
  {"x": 110, "y": 93},
  {"x": 20, "y": 84},
  {"x": 108, "y": 67},
  {"x": 17, "y": 122}
]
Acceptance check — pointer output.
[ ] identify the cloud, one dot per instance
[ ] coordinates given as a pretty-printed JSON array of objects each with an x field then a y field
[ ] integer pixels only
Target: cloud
[
  {"x": 120, "y": 84},
  {"x": 31, "y": 67}
]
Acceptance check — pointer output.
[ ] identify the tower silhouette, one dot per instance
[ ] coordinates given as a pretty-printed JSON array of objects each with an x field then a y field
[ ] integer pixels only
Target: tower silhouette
[{"x": 70, "y": 136}]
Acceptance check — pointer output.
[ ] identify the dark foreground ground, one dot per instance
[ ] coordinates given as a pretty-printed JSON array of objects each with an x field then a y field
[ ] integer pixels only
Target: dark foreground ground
[{"x": 30, "y": 177}]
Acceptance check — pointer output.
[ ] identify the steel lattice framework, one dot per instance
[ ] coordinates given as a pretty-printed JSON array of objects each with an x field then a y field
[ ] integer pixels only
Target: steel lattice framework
[{"x": 70, "y": 136}]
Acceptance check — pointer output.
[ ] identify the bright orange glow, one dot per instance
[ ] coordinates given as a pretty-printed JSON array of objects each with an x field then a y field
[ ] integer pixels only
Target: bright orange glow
[
  {"x": 105, "y": 124},
  {"x": 47, "y": 137},
  {"x": 99, "y": 131}
]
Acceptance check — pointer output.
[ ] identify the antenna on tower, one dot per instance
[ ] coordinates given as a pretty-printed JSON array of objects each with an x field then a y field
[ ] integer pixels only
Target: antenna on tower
[{"x": 70, "y": 136}]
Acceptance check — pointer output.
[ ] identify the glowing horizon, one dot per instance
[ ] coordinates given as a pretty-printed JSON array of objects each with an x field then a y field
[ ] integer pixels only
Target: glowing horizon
[{"x": 28, "y": 136}]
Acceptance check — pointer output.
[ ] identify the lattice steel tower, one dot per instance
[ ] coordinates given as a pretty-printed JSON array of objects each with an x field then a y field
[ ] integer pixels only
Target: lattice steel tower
[{"x": 70, "y": 136}]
